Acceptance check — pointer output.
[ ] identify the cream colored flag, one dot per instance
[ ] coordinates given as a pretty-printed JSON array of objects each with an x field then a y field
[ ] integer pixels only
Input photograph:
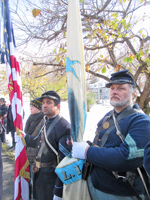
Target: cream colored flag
[
  {"x": 70, "y": 169},
  {"x": 76, "y": 71}
]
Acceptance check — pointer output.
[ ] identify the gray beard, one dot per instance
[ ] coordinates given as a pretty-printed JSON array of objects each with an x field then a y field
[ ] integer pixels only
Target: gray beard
[{"x": 120, "y": 104}]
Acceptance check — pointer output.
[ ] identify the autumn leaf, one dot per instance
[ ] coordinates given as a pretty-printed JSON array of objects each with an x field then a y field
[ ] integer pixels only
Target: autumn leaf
[
  {"x": 115, "y": 15},
  {"x": 36, "y": 12},
  {"x": 147, "y": 61},
  {"x": 61, "y": 63},
  {"x": 141, "y": 31},
  {"x": 104, "y": 70},
  {"x": 132, "y": 56},
  {"x": 64, "y": 34},
  {"x": 54, "y": 51},
  {"x": 100, "y": 31},
  {"x": 118, "y": 67},
  {"x": 147, "y": 50},
  {"x": 87, "y": 68},
  {"x": 57, "y": 58},
  {"x": 99, "y": 69}
]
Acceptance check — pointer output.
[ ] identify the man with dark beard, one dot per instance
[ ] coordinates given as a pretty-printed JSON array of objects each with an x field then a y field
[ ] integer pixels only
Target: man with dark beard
[
  {"x": 53, "y": 143},
  {"x": 117, "y": 152},
  {"x": 32, "y": 127}
]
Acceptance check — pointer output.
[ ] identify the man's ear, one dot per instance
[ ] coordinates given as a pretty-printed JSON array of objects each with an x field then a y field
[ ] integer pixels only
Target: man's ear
[
  {"x": 133, "y": 96},
  {"x": 58, "y": 106}
]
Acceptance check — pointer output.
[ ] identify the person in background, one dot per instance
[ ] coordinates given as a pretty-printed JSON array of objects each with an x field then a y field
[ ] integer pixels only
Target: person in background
[
  {"x": 53, "y": 143},
  {"x": 10, "y": 127},
  {"x": 32, "y": 127},
  {"x": 3, "y": 119},
  {"x": 116, "y": 155},
  {"x": 1, "y": 171}
]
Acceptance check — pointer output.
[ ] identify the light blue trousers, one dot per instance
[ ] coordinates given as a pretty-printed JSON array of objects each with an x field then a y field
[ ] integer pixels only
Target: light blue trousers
[
  {"x": 31, "y": 175},
  {"x": 98, "y": 195}
]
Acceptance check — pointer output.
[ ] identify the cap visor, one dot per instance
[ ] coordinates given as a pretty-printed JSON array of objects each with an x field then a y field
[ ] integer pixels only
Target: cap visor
[
  {"x": 115, "y": 82},
  {"x": 48, "y": 96}
]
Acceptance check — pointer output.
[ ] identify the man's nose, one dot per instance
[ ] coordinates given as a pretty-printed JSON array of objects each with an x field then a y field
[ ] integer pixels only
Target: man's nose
[
  {"x": 115, "y": 91},
  {"x": 44, "y": 105}
]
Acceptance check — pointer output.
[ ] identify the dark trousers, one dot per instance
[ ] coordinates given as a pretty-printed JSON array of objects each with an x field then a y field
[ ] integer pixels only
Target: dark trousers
[
  {"x": 44, "y": 184},
  {"x": 1, "y": 171},
  {"x": 13, "y": 138}
]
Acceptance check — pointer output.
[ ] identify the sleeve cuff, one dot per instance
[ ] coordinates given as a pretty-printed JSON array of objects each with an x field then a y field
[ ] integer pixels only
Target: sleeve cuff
[{"x": 58, "y": 191}]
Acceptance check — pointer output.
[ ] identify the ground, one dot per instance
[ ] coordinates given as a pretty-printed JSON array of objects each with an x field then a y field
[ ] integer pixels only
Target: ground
[{"x": 8, "y": 176}]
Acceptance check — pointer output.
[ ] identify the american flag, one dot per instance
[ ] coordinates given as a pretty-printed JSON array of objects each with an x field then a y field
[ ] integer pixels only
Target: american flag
[{"x": 22, "y": 176}]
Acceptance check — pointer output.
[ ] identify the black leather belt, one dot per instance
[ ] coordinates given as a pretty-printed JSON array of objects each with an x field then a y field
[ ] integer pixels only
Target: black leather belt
[{"x": 41, "y": 165}]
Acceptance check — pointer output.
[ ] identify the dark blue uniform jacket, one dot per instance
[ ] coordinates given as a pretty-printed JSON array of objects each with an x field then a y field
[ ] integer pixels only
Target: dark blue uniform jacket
[
  {"x": 147, "y": 158},
  {"x": 47, "y": 182},
  {"x": 119, "y": 156}
]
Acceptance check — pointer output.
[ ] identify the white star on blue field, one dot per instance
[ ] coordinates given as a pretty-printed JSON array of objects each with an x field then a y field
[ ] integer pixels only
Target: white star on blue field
[{"x": 69, "y": 66}]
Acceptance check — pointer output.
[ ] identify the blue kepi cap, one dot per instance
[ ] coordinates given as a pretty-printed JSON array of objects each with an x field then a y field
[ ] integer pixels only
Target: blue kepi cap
[
  {"x": 121, "y": 77},
  {"x": 51, "y": 95}
]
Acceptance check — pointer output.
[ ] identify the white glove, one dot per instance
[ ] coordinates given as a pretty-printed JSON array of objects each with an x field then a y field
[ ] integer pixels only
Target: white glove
[
  {"x": 56, "y": 198},
  {"x": 78, "y": 149},
  {"x": 17, "y": 137}
]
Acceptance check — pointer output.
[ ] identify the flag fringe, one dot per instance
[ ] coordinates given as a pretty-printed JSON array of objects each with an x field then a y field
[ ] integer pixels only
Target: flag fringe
[{"x": 23, "y": 173}]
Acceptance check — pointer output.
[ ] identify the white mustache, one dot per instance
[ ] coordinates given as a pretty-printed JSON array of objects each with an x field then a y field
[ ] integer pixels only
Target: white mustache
[{"x": 115, "y": 96}]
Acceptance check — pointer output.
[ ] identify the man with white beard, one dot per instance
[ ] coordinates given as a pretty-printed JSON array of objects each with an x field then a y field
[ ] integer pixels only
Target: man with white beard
[{"x": 116, "y": 155}]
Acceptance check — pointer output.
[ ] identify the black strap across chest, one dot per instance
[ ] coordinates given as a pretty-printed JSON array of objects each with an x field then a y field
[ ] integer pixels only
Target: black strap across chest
[
  {"x": 44, "y": 149},
  {"x": 126, "y": 112}
]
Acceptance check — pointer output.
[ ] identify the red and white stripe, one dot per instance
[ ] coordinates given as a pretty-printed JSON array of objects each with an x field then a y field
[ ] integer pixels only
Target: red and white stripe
[
  {"x": 21, "y": 184},
  {"x": 21, "y": 187}
]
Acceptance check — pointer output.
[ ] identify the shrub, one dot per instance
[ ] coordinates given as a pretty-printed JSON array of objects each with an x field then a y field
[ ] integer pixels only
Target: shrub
[{"x": 91, "y": 100}]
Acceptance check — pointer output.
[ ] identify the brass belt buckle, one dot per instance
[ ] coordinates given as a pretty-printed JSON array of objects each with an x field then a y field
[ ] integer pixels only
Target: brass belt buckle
[{"x": 38, "y": 164}]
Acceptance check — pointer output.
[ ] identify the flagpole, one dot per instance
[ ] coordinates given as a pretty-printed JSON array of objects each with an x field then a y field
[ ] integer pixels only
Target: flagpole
[{"x": 74, "y": 186}]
